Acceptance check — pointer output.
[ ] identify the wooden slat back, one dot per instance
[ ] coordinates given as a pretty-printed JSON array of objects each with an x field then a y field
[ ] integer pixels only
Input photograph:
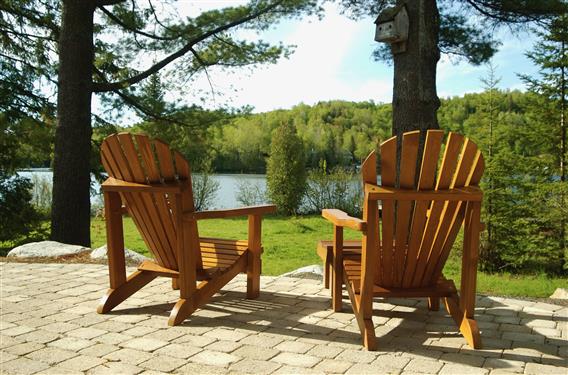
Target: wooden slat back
[
  {"x": 388, "y": 178},
  {"x": 408, "y": 162},
  {"x": 448, "y": 165},
  {"x": 142, "y": 160},
  {"x": 427, "y": 180},
  {"x": 418, "y": 235}
]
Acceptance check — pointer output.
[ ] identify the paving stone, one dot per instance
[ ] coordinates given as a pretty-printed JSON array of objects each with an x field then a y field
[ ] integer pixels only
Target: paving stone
[
  {"x": 455, "y": 368},
  {"x": 208, "y": 357},
  {"x": 51, "y": 355},
  {"x": 129, "y": 356},
  {"x": 71, "y": 343},
  {"x": 5, "y": 357},
  {"x": 325, "y": 351},
  {"x": 225, "y": 334},
  {"x": 198, "y": 368},
  {"x": 294, "y": 359},
  {"x": 296, "y": 370},
  {"x": 24, "y": 348},
  {"x": 18, "y": 330},
  {"x": 178, "y": 350},
  {"x": 86, "y": 333},
  {"x": 224, "y": 346},
  {"x": 252, "y": 366},
  {"x": 538, "y": 369},
  {"x": 162, "y": 363},
  {"x": 504, "y": 365},
  {"x": 99, "y": 350},
  {"x": 199, "y": 341},
  {"x": 294, "y": 347},
  {"x": 40, "y": 336},
  {"x": 261, "y": 341},
  {"x": 22, "y": 365},
  {"x": 423, "y": 366},
  {"x": 82, "y": 363},
  {"x": 144, "y": 344},
  {"x": 114, "y": 368},
  {"x": 357, "y": 356},
  {"x": 333, "y": 366},
  {"x": 256, "y": 353},
  {"x": 469, "y": 360}
]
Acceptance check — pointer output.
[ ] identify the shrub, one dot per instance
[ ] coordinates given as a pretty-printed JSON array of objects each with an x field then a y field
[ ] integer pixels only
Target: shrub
[
  {"x": 250, "y": 193},
  {"x": 285, "y": 172},
  {"x": 204, "y": 188},
  {"x": 19, "y": 220},
  {"x": 335, "y": 189}
]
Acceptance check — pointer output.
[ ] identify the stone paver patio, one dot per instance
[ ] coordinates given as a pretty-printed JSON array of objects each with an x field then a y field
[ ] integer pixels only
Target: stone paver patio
[{"x": 48, "y": 325}]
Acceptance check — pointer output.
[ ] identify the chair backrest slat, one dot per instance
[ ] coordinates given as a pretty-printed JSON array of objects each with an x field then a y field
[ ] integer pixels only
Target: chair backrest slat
[
  {"x": 417, "y": 236},
  {"x": 388, "y": 178},
  {"x": 408, "y": 162}
]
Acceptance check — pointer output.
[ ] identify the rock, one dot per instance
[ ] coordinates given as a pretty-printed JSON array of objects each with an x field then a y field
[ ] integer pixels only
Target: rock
[
  {"x": 129, "y": 255},
  {"x": 50, "y": 249},
  {"x": 309, "y": 272},
  {"x": 560, "y": 293}
]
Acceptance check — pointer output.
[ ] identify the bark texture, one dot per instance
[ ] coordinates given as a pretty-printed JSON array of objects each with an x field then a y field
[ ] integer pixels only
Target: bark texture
[
  {"x": 415, "y": 100},
  {"x": 70, "y": 222}
]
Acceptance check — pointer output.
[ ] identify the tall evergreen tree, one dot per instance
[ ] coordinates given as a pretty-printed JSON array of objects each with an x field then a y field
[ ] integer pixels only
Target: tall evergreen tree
[
  {"x": 99, "y": 47},
  {"x": 461, "y": 28},
  {"x": 550, "y": 54}
]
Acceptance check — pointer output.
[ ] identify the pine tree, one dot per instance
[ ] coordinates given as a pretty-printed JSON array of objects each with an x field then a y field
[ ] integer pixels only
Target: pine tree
[
  {"x": 550, "y": 54},
  {"x": 286, "y": 169}
]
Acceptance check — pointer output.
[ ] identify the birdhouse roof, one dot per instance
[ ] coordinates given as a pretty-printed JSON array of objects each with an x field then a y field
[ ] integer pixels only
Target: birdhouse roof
[{"x": 388, "y": 14}]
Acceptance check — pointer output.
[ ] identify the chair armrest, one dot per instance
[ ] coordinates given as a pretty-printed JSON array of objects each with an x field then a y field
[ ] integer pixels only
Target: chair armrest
[
  {"x": 219, "y": 214},
  {"x": 468, "y": 193},
  {"x": 341, "y": 219},
  {"x": 112, "y": 184}
]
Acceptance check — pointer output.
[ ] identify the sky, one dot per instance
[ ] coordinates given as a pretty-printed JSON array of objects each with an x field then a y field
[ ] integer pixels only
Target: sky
[{"x": 332, "y": 60}]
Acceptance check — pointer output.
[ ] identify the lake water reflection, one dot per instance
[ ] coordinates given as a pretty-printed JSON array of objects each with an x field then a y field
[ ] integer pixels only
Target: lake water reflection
[{"x": 226, "y": 195}]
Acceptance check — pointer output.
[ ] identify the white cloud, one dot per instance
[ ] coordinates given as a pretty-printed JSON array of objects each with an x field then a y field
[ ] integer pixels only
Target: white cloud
[{"x": 317, "y": 70}]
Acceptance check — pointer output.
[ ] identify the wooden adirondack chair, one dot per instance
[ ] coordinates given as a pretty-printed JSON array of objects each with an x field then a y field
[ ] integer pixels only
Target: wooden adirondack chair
[
  {"x": 153, "y": 185},
  {"x": 404, "y": 248}
]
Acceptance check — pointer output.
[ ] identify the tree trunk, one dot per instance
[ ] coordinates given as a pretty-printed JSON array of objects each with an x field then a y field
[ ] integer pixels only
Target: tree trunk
[
  {"x": 70, "y": 221},
  {"x": 415, "y": 100}
]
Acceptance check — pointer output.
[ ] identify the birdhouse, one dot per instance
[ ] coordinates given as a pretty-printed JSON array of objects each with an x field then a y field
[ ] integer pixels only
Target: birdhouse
[{"x": 392, "y": 28}]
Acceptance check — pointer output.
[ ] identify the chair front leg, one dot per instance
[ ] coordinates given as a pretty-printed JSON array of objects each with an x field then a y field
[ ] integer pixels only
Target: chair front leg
[
  {"x": 254, "y": 262},
  {"x": 337, "y": 269}
]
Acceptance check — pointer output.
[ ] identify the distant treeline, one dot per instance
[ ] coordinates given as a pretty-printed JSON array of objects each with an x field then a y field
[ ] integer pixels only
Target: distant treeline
[{"x": 341, "y": 133}]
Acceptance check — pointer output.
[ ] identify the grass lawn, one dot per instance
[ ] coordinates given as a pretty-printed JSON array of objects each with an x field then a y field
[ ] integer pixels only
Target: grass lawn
[{"x": 290, "y": 243}]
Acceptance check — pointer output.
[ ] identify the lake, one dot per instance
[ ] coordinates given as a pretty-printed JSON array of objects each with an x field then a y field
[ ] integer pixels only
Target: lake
[{"x": 226, "y": 195}]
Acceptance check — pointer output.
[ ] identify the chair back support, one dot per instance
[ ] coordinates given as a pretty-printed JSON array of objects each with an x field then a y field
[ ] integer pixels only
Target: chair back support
[
  {"x": 139, "y": 159},
  {"x": 417, "y": 236}
]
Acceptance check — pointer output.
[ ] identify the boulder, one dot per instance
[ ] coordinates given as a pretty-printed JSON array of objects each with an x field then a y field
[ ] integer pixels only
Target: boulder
[
  {"x": 49, "y": 249},
  {"x": 309, "y": 272},
  {"x": 560, "y": 293},
  {"x": 129, "y": 255}
]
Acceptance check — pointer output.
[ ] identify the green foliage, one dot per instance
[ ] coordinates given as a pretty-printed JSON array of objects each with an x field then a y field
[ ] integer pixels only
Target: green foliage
[
  {"x": 19, "y": 220},
  {"x": 519, "y": 180},
  {"x": 250, "y": 194},
  {"x": 285, "y": 172},
  {"x": 338, "y": 188},
  {"x": 204, "y": 188}
]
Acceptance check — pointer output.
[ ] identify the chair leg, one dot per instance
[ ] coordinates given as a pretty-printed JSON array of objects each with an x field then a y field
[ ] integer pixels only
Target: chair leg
[
  {"x": 467, "y": 326},
  {"x": 175, "y": 284},
  {"x": 326, "y": 270},
  {"x": 433, "y": 303},
  {"x": 114, "y": 297},
  {"x": 254, "y": 262}
]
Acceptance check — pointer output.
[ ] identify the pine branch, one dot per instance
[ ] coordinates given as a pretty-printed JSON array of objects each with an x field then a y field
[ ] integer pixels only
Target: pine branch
[{"x": 105, "y": 87}]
